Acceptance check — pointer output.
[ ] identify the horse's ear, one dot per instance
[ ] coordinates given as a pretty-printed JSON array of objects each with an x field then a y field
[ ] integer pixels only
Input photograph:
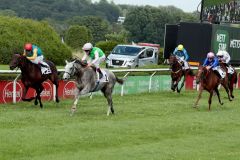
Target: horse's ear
[{"x": 66, "y": 61}]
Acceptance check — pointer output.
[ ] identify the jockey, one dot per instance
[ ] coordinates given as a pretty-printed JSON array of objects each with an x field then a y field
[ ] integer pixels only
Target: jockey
[
  {"x": 211, "y": 62},
  {"x": 96, "y": 56},
  {"x": 181, "y": 53},
  {"x": 224, "y": 57},
  {"x": 34, "y": 54}
]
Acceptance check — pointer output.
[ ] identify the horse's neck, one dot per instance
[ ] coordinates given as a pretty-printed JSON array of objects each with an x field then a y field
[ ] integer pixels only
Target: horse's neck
[
  {"x": 28, "y": 68},
  {"x": 176, "y": 66}
]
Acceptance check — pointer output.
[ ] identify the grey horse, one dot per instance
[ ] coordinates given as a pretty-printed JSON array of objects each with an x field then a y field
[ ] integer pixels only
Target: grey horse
[{"x": 86, "y": 80}]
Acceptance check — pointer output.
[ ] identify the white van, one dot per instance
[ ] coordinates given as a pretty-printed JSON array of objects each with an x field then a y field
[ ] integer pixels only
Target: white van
[{"x": 132, "y": 56}]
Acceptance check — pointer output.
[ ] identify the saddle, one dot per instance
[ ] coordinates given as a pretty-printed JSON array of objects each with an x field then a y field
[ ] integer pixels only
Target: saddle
[{"x": 45, "y": 68}]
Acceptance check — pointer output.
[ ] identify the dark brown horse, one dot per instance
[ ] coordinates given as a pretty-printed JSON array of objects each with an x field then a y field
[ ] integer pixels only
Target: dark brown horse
[
  {"x": 232, "y": 78},
  {"x": 177, "y": 72},
  {"x": 32, "y": 76},
  {"x": 209, "y": 80}
]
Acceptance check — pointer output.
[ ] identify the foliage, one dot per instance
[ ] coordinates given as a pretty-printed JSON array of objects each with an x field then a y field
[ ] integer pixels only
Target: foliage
[
  {"x": 15, "y": 32},
  {"x": 106, "y": 46},
  {"x": 117, "y": 37},
  {"x": 147, "y": 24},
  {"x": 61, "y": 9},
  {"x": 77, "y": 36},
  {"x": 156, "y": 126},
  {"x": 97, "y": 26}
]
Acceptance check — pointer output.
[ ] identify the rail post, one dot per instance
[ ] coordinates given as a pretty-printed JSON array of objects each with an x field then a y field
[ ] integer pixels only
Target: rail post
[
  {"x": 150, "y": 82},
  {"x": 123, "y": 84},
  {"x": 15, "y": 89}
]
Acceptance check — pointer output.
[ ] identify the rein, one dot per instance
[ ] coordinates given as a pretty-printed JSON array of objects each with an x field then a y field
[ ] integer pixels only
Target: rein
[{"x": 176, "y": 71}]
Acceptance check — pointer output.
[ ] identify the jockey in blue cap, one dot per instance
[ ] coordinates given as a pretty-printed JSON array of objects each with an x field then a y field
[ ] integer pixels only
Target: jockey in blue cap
[{"x": 211, "y": 62}]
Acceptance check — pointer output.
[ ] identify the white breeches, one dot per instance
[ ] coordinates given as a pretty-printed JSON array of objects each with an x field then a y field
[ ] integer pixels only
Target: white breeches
[{"x": 99, "y": 61}]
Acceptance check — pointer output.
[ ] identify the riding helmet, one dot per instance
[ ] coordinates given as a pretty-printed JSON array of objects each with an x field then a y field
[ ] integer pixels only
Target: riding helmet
[{"x": 28, "y": 47}]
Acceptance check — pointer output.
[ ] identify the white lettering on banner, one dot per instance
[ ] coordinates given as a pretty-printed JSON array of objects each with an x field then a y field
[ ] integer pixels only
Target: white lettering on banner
[
  {"x": 222, "y": 46},
  {"x": 221, "y": 38},
  {"x": 45, "y": 93},
  {"x": 8, "y": 92},
  {"x": 235, "y": 43},
  {"x": 69, "y": 89}
]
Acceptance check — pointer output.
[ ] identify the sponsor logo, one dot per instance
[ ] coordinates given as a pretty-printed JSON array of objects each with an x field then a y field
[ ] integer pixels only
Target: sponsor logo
[
  {"x": 69, "y": 90},
  {"x": 47, "y": 91},
  {"x": 221, "y": 40},
  {"x": 8, "y": 92}
]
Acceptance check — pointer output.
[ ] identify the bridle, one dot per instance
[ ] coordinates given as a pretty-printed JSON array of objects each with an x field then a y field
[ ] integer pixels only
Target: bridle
[{"x": 72, "y": 70}]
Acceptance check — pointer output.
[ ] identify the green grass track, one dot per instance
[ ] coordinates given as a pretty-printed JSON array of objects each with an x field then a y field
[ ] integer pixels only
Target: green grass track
[{"x": 155, "y": 126}]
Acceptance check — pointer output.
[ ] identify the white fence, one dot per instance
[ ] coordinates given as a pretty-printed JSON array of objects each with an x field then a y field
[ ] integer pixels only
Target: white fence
[{"x": 127, "y": 71}]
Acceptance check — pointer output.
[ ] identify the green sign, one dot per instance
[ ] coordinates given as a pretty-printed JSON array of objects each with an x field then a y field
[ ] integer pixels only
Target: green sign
[{"x": 221, "y": 40}]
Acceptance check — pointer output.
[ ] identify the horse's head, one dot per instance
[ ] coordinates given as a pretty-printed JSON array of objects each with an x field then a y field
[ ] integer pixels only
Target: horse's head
[
  {"x": 174, "y": 63},
  {"x": 172, "y": 59},
  {"x": 201, "y": 73},
  {"x": 70, "y": 69},
  {"x": 16, "y": 61}
]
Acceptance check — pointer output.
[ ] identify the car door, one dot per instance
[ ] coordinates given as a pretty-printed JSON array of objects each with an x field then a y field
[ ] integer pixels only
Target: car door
[{"x": 147, "y": 57}]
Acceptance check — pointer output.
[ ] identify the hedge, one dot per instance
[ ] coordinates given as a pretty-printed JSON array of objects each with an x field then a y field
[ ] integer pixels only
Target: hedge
[{"x": 15, "y": 32}]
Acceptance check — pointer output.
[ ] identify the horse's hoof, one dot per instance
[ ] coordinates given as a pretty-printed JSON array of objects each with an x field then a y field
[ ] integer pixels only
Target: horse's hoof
[
  {"x": 221, "y": 103},
  {"x": 232, "y": 96},
  {"x": 36, "y": 102},
  {"x": 195, "y": 106},
  {"x": 41, "y": 106},
  {"x": 57, "y": 100}
]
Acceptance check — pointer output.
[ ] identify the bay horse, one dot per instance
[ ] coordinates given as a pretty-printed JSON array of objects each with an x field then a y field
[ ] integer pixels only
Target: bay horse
[
  {"x": 31, "y": 76},
  {"x": 177, "y": 72},
  {"x": 86, "y": 79},
  {"x": 232, "y": 78},
  {"x": 209, "y": 80}
]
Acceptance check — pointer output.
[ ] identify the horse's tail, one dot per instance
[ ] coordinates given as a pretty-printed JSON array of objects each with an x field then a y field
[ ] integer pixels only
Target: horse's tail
[{"x": 120, "y": 81}]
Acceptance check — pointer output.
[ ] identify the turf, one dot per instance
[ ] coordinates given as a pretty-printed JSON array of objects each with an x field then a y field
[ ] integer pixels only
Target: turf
[{"x": 146, "y": 126}]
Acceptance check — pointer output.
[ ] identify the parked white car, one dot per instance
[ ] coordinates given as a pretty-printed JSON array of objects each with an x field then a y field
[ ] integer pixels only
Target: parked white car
[{"x": 132, "y": 56}]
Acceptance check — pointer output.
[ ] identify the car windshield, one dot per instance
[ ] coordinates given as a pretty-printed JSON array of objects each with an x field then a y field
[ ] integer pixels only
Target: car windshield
[{"x": 126, "y": 50}]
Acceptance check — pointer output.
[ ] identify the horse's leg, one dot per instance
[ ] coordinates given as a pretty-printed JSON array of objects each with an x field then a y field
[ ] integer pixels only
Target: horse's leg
[
  {"x": 218, "y": 95},
  {"x": 225, "y": 85},
  {"x": 80, "y": 92},
  {"x": 210, "y": 100},
  {"x": 199, "y": 97},
  {"x": 25, "y": 93},
  {"x": 182, "y": 84},
  {"x": 39, "y": 89},
  {"x": 231, "y": 83},
  {"x": 107, "y": 91},
  {"x": 54, "y": 80},
  {"x": 172, "y": 86}
]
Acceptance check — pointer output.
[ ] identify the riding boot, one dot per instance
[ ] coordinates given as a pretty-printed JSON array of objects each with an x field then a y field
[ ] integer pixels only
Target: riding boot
[
  {"x": 42, "y": 65},
  {"x": 100, "y": 73}
]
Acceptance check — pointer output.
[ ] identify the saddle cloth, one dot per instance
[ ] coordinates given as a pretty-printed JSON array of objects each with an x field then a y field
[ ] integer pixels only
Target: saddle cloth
[
  {"x": 100, "y": 82},
  {"x": 45, "y": 70}
]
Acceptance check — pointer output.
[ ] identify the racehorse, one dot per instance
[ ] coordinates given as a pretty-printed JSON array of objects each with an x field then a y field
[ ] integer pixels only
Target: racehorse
[
  {"x": 86, "y": 79},
  {"x": 209, "y": 81},
  {"x": 177, "y": 72},
  {"x": 33, "y": 77},
  {"x": 232, "y": 78}
]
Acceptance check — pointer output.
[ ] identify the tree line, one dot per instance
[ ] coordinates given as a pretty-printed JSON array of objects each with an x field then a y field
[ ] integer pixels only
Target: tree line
[{"x": 80, "y": 21}]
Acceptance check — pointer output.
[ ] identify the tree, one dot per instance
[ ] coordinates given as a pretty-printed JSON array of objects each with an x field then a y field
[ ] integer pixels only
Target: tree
[
  {"x": 97, "y": 26},
  {"x": 15, "y": 32},
  {"x": 77, "y": 36},
  {"x": 147, "y": 24}
]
